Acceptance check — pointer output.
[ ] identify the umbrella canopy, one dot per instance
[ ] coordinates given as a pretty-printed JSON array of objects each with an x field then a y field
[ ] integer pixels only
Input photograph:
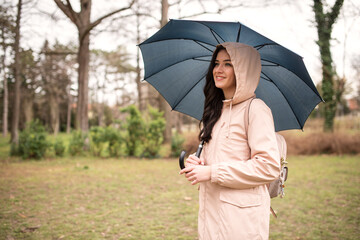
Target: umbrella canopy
[{"x": 177, "y": 57}]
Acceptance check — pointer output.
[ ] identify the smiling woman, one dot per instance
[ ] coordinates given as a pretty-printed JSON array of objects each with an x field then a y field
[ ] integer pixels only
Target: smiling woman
[{"x": 236, "y": 163}]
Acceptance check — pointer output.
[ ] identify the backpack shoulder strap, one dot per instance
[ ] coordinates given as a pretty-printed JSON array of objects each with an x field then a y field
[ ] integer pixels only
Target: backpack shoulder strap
[
  {"x": 247, "y": 113},
  {"x": 282, "y": 146}
]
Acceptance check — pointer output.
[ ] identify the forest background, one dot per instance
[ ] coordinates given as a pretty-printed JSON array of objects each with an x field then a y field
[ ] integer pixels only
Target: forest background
[
  {"x": 89, "y": 150},
  {"x": 75, "y": 74}
]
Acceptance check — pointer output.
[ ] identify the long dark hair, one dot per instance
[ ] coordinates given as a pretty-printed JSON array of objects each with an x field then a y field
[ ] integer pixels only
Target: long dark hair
[{"x": 213, "y": 101}]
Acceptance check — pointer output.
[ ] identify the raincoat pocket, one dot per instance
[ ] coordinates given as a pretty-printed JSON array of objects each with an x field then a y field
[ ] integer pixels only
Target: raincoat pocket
[
  {"x": 241, "y": 198},
  {"x": 241, "y": 214}
]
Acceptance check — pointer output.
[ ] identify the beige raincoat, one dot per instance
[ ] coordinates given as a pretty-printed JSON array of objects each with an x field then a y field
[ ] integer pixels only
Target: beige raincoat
[{"x": 235, "y": 204}]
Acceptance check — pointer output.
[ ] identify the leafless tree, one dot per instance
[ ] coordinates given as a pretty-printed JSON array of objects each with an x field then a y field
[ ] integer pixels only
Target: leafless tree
[
  {"x": 7, "y": 27},
  {"x": 84, "y": 26},
  {"x": 16, "y": 108},
  {"x": 55, "y": 64}
]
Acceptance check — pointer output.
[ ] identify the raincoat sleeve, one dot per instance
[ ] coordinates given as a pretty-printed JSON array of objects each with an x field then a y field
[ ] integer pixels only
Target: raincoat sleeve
[{"x": 264, "y": 165}]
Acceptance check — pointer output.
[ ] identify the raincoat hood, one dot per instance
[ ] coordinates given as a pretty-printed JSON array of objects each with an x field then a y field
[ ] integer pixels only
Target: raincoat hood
[{"x": 247, "y": 68}]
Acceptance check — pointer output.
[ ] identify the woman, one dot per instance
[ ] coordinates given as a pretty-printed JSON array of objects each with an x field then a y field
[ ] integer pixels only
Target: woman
[{"x": 236, "y": 164}]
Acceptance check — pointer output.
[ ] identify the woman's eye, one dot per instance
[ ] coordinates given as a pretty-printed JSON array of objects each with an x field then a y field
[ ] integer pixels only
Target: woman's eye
[{"x": 228, "y": 64}]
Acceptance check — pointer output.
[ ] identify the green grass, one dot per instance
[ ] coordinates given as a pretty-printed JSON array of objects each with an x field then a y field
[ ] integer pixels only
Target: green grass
[{"x": 90, "y": 198}]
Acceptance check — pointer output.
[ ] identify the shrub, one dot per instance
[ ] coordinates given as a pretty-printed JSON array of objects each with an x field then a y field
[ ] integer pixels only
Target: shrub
[
  {"x": 98, "y": 141},
  {"x": 153, "y": 132},
  {"x": 135, "y": 130},
  {"x": 322, "y": 143},
  {"x": 115, "y": 141},
  {"x": 32, "y": 141},
  {"x": 59, "y": 147},
  {"x": 77, "y": 143},
  {"x": 177, "y": 142}
]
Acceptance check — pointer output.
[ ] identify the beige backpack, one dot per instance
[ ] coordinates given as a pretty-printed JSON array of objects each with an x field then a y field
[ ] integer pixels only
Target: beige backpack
[{"x": 276, "y": 187}]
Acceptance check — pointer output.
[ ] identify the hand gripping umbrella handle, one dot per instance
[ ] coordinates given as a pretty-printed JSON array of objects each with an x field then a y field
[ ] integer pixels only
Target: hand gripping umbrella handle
[{"x": 183, "y": 153}]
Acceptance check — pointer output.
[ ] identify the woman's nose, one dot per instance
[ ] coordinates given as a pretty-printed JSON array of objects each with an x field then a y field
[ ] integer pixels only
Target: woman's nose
[{"x": 219, "y": 68}]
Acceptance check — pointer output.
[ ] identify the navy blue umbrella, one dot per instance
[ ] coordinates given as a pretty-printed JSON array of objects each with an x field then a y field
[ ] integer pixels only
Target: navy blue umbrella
[{"x": 177, "y": 57}]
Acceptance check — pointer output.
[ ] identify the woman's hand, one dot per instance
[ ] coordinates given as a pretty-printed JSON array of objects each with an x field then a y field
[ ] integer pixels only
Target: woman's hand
[
  {"x": 197, "y": 173},
  {"x": 193, "y": 160}
]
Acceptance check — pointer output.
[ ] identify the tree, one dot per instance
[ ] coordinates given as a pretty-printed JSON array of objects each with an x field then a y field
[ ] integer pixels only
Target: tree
[
  {"x": 164, "y": 106},
  {"x": 7, "y": 26},
  {"x": 84, "y": 26},
  {"x": 17, "y": 70},
  {"x": 30, "y": 85},
  {"x": 356, "y": 66},
  {"x": 324, "y": 25},
  {"x": 109, "y": 69},
  {"x": 55, "y": 65}
]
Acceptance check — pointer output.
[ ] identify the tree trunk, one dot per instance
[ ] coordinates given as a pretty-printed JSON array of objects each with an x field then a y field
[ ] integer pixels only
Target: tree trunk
[
  {"x": 100, "y": 110},
  {"x": 327, "y": 83},
  {"x": 27, "y": 106},
  {"x": 163, "y": 105},
  {"x": 138, "y": 71},
  {"x": 6, "y": 93},
  {"x": 16, "y": 109},
  {"x": 68, "y": 117},
  {"x": 83, "y": 79},
  {"x": 324, "y": 26},
  {"x": 138, "y": 83},
  {"x": 54, "y": 114}
]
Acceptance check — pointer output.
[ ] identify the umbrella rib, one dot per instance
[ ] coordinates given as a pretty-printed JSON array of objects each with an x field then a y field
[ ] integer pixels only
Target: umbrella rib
[
  {"x": 279, "y": 65},
  {"x": 212, "y": 32},
  {"x": 188, "y": 91},
  {"x": 286, "y": 101},
  {"x": 175, "y": 64},
  {"x": 198, "y": 42},
  {"x": 266, "y": 79},
  {"x": 258, "y": 47},
  {"x": 238, "y": 35},
  {"x": 201, "y": 60}
]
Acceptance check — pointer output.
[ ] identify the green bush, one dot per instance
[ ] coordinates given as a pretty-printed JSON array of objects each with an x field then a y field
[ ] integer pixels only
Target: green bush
[
  {"x": 97, "y": 140},
  {"x": 135, "y": 130},
  {"x": 77, "y": 143},
  {"x": 32, "y": 141},
  {"x": 177, "y": 142},
  {"x": 154, "y": 129},
  {"x": 106, "y": 138},
  {"x": 115, "y": 141},
  {"x": 59, "y": 147}
]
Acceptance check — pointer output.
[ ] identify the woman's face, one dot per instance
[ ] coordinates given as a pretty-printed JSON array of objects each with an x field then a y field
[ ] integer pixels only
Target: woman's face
[{"x": 224, "y": 75}]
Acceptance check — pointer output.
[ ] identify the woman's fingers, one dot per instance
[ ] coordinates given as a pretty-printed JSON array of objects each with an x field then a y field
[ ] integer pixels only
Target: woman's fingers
[
  {"x": 192, "y": 159},
  {"x": 197, "y": 173},
  {"x": 187, "y": 169}
]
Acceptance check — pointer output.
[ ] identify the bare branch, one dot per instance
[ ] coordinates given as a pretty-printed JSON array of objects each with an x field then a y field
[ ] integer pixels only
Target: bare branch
[
  {"x": 219, "y": 10},
  {"x": 332, "y": 16},
  {"x": 58, "y": 53},
  {"x": 68, "y": 11},
  {"x": 175, "y": 3},
  {"x": 96, "y": 22}
]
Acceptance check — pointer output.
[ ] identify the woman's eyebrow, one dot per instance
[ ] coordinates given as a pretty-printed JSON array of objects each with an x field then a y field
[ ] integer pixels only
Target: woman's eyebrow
[{"x": 226, "y": 60}]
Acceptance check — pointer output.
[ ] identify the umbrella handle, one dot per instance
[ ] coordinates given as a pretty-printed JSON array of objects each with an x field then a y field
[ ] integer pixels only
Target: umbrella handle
[
  {"x": 183, "y": 153},
  {"x": 181, "y": 159}
]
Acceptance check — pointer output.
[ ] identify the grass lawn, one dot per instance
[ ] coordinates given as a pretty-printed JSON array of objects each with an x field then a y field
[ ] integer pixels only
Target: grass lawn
[{"x": 91, "y": 198}]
